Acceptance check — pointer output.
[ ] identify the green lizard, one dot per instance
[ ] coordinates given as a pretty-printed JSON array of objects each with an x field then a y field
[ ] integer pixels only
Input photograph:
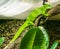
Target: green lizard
[{"x": 30, "y": 19}]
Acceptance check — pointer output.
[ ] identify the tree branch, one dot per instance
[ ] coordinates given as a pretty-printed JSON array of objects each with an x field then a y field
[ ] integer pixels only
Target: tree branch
[{"x": 54, "y": 11}]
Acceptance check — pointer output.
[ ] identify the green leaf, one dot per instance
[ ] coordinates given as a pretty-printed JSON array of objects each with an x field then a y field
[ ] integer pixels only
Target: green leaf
[
  {"x": 55, "y": 44},
  {"x": 34, "y": 39},
  {"x": 1, "y": 40}
]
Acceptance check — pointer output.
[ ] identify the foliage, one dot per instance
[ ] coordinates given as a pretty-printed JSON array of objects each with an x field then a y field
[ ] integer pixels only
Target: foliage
[
  {"x": 1, "y": 40},
  {"x": 54, "y": 45},
  {"x": 35, "y": 38}
]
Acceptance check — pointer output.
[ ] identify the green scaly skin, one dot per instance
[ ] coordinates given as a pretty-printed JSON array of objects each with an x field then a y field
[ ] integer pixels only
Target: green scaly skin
[{"x": 29, "y": 21}]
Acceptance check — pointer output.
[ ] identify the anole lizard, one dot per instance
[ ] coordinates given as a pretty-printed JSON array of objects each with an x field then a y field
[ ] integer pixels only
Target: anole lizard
[{"x": 30, "y": 19}]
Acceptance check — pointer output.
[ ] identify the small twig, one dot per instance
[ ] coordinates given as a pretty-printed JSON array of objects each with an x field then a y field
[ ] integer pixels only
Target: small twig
[
  {"x": 37, "y": 21},
  {"x": 44, "y": 1}
]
